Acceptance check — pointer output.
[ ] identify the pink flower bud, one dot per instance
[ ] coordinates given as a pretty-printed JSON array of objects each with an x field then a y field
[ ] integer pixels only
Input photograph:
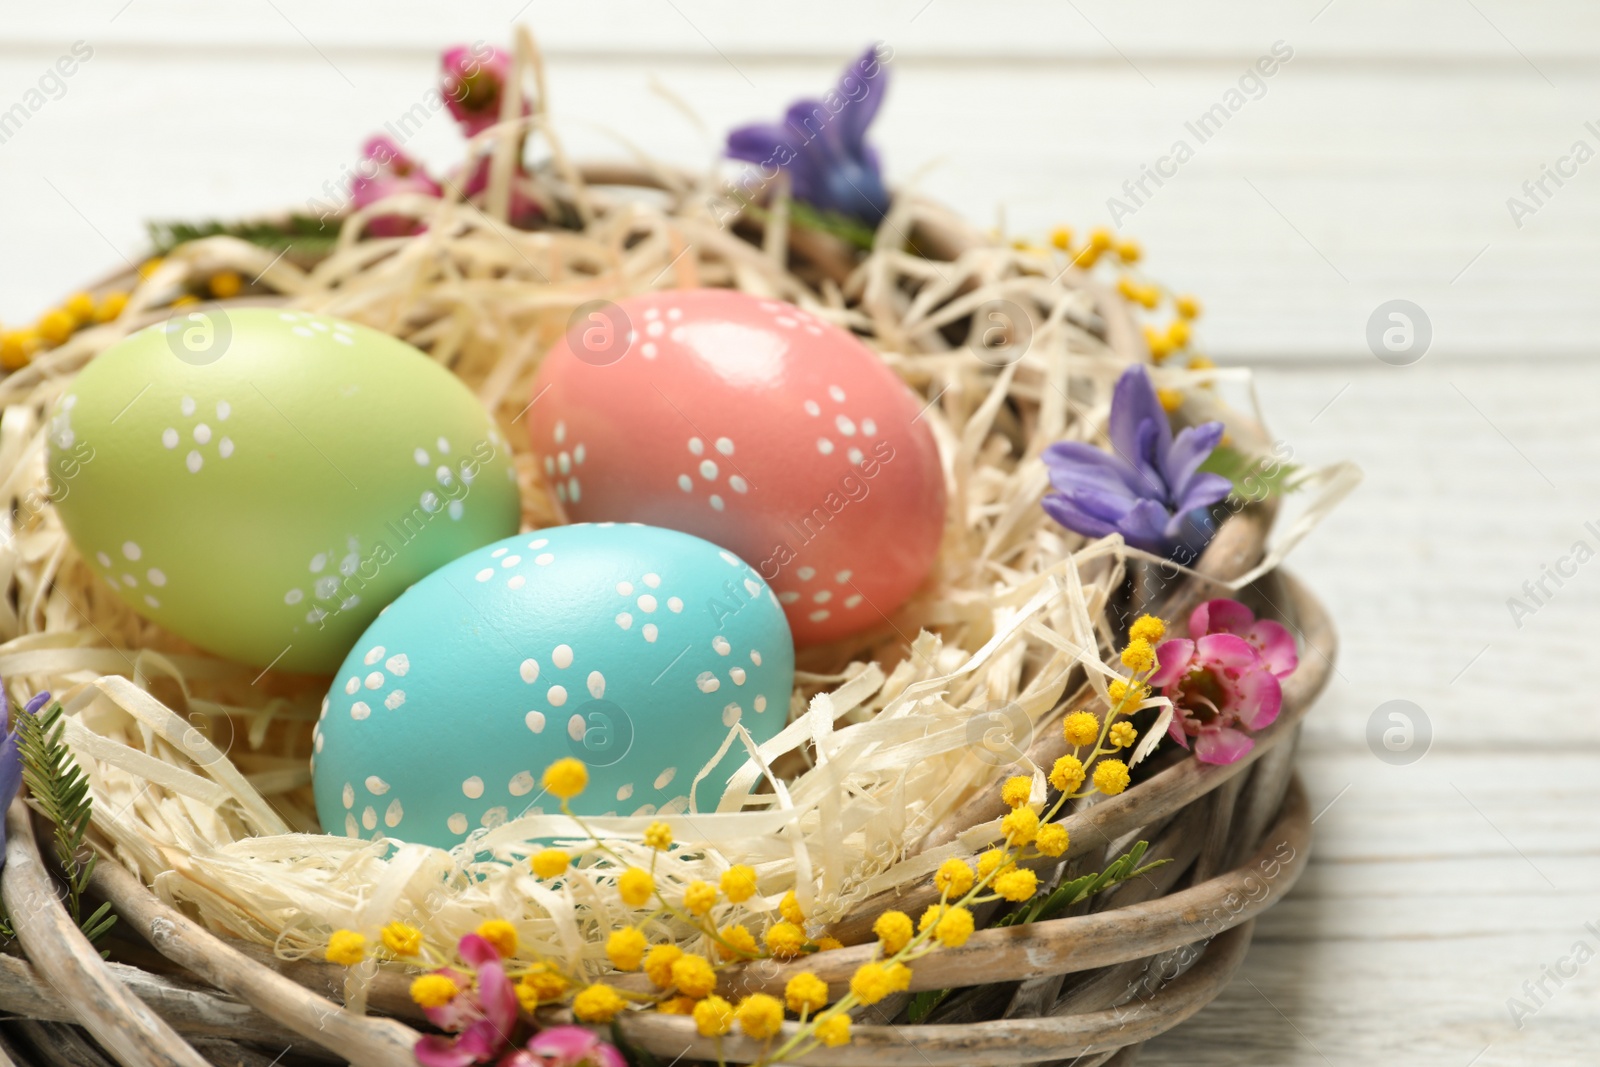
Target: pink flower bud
[
  {"x": 473, "y": 79},
  {"x": 386, "y": 171}
]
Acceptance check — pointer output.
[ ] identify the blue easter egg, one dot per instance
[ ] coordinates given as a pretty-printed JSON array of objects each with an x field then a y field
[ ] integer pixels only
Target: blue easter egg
[{"x": 632, "y": 648}]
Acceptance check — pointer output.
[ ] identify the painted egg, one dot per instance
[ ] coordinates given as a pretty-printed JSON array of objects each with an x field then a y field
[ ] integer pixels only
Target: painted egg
[
  {"x": 261, "y": 482},
  {"x": 755, "y": 425},
  {"x": 632, "y": 648}
]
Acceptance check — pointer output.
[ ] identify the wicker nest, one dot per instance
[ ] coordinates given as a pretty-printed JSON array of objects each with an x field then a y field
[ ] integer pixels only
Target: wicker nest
[{"x": 198, "y": 834}]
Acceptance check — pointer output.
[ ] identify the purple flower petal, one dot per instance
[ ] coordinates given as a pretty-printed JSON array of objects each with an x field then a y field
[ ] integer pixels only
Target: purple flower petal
[
  {"x": 775, "y": 147},
  {"x": 862, "y": 83},
  {"x": 1107, "y": 504},
  {"x": 1133, "y": 400},
  {"x": 10, "y": 780},
  {"x": 1190, "y": 449},
  {"x": 821, "y": 145},
  {"x": 39, "y": 700},
  {"x": 1147, "y": 458},
  {"x": 1068, "y": 513},
  {"x": 1168, "y": 512},
  {"x": 1075, "y": 464},
  {"x": 1145, "y": 527},
  {"x": 757, "y": 142},
  {"x": 854, "y": 188},
  {"x": 1202, "y": 491}
]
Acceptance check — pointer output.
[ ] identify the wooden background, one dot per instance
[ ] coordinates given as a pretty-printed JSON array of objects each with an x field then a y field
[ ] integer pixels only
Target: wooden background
[{"x": 1376, "y": 165}]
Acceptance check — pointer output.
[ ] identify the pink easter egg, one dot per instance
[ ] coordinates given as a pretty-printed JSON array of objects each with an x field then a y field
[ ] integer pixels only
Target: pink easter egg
[{"x": 758, "y": 427}]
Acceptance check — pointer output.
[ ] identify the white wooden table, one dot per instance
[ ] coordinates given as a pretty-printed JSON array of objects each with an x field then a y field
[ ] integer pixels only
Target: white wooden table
[{"x": 1376, "y": 164}]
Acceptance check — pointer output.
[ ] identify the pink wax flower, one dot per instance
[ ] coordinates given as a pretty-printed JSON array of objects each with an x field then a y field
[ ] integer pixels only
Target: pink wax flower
[
  {"x": 570, "y": 1046},
  {"x": 484, "y": 1013},
  {"x": 525, "y": 211},
  {"x": 385, "y": 171},
  {"x": 1224, "y": 676},
  {"x": 473, "y": 79}
]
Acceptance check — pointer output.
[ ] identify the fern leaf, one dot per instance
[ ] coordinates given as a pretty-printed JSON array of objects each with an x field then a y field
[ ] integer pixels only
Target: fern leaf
[{"x": 60, "y": 790}]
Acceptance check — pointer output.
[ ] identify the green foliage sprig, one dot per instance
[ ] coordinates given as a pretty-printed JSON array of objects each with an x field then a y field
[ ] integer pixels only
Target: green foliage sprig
[
  {"x": 60, "y": 790},
  {"x": 305, "y": 232},
  {"x": 1254, "y": 477},
  {"x": 1042, "y": 908}
]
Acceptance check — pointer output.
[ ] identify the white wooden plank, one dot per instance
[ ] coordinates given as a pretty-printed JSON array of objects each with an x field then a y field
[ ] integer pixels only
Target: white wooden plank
[
  {"x": 1421, "y": 917},
  {"x": 1334, "y": 192},
  {"x": 1417, "y": 1003},
  {"x": 1453, "y": 518},
  {"x": 1497, "y": 31}
]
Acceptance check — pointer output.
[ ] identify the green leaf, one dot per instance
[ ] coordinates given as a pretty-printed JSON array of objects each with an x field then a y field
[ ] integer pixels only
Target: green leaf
[
  {"x": 851, "y": 232},
  {"x": 1061, "y": 898},
  {"x": 60, "y": 791},
  {"x": 923, "y": 1003},
  {"x": 305, "y": 232},
  {"x": 98, "y": 923},
  {"x": 1254, "y": 477}
]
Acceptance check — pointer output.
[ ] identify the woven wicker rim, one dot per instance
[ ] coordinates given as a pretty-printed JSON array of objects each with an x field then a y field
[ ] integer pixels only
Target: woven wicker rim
[{"x": 137, "y": 1015}]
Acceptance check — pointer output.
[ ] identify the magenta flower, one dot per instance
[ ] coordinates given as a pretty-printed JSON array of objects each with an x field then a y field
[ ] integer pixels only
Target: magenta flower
[
  {"x": 525, "y": 211},
  {"x": 385, "y": 171},
  {"x": 485, "y": 1016},
  {"x": 473, "y": 80},
  {"x": 1271, "y": 639},
  {"x": 570, "y": 1046},
  {"x": 1224, "y": 676}
]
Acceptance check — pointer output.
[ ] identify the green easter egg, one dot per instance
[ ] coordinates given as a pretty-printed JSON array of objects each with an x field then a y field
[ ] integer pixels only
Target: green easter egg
[{"x": 263, "y": 482}]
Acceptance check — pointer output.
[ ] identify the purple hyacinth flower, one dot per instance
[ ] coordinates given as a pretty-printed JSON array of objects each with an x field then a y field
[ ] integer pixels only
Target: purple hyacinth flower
[
  {"x": 821, "y": 144},
  {"x": 1149, "y": 488}
]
